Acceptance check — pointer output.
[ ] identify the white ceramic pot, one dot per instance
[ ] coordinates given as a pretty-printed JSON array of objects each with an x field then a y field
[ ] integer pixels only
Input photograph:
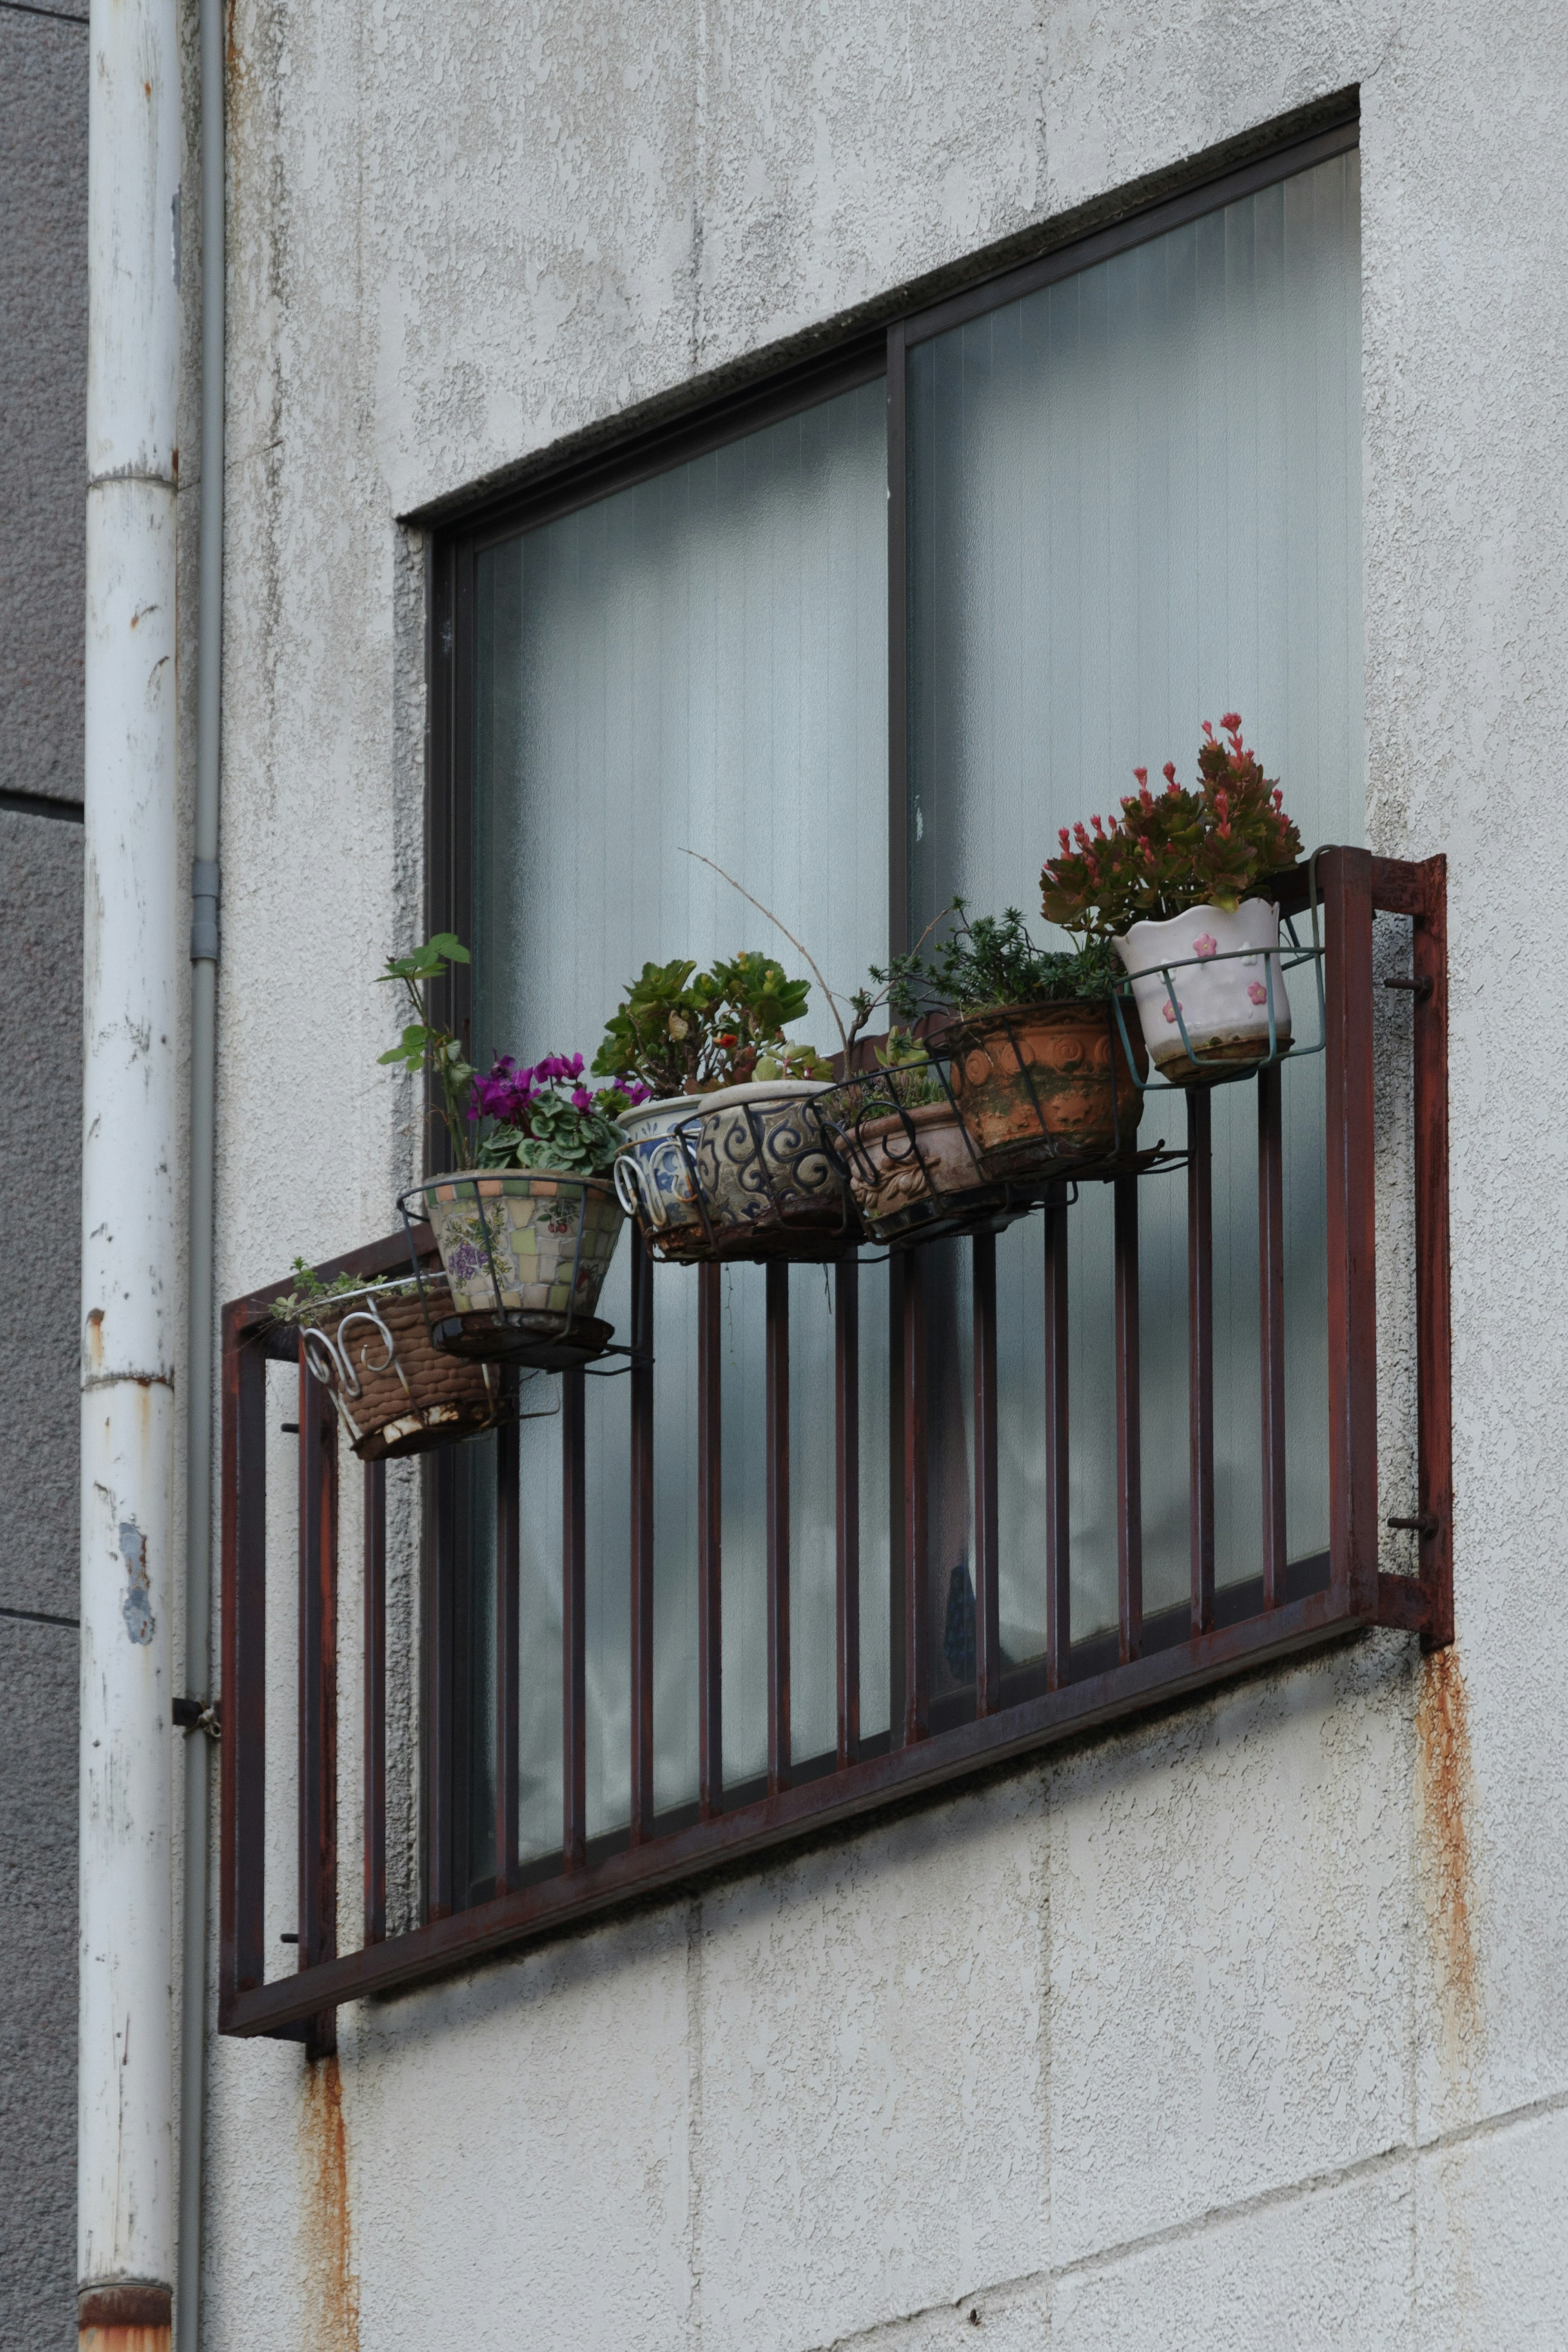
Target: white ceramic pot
[
  {"x": 1217, "y": 971},
  {"x": 760, "y": 1158},
  {"x": 653, "y": 1176}
]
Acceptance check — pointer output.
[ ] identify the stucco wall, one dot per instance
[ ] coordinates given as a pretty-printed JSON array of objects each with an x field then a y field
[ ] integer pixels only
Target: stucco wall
[
  {"x": 1248, "y": 2027},
  {"x": 43, "y": 379}
]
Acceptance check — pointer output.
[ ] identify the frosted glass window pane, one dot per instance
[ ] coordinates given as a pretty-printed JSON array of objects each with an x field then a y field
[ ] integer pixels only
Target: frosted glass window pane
[
  {"x": 697, "y": 662},
  {"x": 1134, "y": 503}
]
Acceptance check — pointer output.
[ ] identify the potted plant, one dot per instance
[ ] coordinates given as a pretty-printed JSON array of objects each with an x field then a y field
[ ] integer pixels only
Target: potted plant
[
  {"x": 1176, "y": 885},
  {"x": 1037, "y": 1068},
  {"x": 721, "y": 1144},
  {"x": 526, "y": 1217},
  {"x": 906, "y": 1151},
  {"x": 395, "y": 1392}
]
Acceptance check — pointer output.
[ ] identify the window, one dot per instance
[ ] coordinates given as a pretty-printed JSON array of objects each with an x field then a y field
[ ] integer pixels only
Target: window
[{"x": 845, "y": 1532}]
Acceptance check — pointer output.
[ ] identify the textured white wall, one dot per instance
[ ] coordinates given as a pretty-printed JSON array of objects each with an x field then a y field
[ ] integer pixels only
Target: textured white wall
[{"x": 1249, "y": 2027}]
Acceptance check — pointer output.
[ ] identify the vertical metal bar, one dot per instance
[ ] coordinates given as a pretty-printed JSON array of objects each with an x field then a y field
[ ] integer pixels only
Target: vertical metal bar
[
  {"x": 898, "y": 925},
  {"x": 710, "y": 1524},
  {"x": 1200, "y": 1352},
  {"x": 242, "y": 1795},
  {"x": 443, "y": 1469},
  {"x": 508, "y": 1649},
  {"x": 1272, "y": 1327},
  {"x": 1058, "y": 1510},
  {"x": 987, "y": 1632},
  {"x": 1346, "y": 879},
  {"x": 847, "y": 1447},
  {"x": 317, "y": 1687},
  {"x": 1435, "y": 1436},
  {"x": 917, "y": 1504},
  {"x": 1129, "y": 1430},
  {"x": 573, "y": 1629},
  {"x": 777, "y": 1505},
  {"x": 375, "y": 1601},
  {"x": 642, "y": 1539},
  {"x": 896, "y": 1689}
]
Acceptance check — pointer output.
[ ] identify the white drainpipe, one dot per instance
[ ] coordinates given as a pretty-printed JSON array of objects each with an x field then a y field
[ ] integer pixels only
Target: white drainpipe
[{"x": 134, "y": 956}]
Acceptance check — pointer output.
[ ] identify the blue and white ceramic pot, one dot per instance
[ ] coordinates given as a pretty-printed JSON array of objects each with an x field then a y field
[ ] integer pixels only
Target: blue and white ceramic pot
[{"x": 653, "y": 1174}]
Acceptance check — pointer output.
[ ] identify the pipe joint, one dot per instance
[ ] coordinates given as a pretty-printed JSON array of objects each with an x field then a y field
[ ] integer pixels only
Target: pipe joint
[{"x": 203, "y": 910}]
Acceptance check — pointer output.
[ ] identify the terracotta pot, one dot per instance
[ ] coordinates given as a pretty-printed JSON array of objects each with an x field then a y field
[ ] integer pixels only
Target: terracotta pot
[
  {"x": 549, "y": 1234},
  {"x": 1040, "y": 1083},
  {"x": 1222, "y": 970},
  {"x": 396, "y": 1392}
]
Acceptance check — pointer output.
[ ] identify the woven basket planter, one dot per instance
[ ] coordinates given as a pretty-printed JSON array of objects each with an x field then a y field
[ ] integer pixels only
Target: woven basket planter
[{"x": 396, "y": 1392}]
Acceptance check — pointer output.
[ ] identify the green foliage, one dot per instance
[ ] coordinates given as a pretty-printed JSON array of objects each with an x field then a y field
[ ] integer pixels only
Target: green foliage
[
  {"x": 1166, "y": 853},
  {"x": 425, "y": 1045},
  {"x": 304, "y": 1303},
  {"x": 993, "y": 961},
  {"x": 560, "y": 1134},
  {"x": 683, "y": 1031}
]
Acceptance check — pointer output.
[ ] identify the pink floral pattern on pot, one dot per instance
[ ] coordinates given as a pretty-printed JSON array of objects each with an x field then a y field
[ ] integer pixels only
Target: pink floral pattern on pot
[{"x": 1205, "y": 945}]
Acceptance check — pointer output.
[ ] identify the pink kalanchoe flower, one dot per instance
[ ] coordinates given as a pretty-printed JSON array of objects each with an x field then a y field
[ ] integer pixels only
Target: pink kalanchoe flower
[
  {"x": 1142, "y": 776},
  {"x": 1208, "y": 729},
  {"x": 1168, "y": 771},
  {"x": 1231, "y": 721},
  {"x": 1081, "y": 835},
  {"x": 1257, "y": 991},
  {"x": 1205, "y": 946},
  {"x": 1099, "y": 826},
  {"x": 1064, "y": 836}
]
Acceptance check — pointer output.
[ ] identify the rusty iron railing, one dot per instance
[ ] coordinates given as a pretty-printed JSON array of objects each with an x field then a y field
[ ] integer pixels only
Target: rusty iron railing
[{"x": 1144, "y": 1660}]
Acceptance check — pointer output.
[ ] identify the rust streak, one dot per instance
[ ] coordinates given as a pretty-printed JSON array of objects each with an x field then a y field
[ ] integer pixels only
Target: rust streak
[
  {"x": 331, "y": 2284},
  {"x": 1442, "y": 1726}
]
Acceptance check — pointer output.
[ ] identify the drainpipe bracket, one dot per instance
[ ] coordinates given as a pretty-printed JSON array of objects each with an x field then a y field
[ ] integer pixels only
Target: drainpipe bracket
[{"x": 192, "y": 1715}]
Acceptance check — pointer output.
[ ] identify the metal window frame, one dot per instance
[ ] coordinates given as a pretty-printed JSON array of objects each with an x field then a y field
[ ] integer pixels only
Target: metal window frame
[{"x": 1076, "y": 1688}]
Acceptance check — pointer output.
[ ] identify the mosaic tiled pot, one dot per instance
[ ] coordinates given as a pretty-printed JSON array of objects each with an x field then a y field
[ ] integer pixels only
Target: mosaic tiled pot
[
  {"x": 765, "y": 1174},
  {"x": 652, "y": 1175},
  {"x": 551, "y": 1236},
  {"x": 1036, "y": 1084},
  {"x": 1223, "y": 970}
]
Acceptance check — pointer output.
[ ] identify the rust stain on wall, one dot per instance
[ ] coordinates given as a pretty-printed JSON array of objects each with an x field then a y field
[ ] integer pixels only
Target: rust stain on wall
[
  {"x": 1447, "y": 1788},
  {"x": 331, "y": 2284}
]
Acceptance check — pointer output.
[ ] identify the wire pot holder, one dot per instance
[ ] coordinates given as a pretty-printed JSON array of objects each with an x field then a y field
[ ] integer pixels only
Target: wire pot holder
[
  {"x": 762, "y": 1179},
  {"x": 1223, "y": 1069},
  {"x": 913, "y": 1147},
  {"x": 395, "y": 1394},
  {"x": 549, "y": 1339}
]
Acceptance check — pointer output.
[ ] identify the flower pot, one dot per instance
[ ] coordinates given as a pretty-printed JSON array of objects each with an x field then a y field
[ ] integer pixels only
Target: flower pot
[
  {"x": 1222, "y": 970},
  {"x": 395, "y": 1392},
  {"x": 767, "y": 1182},
  {"x": 910, "y": 1161},
  {"x": 652, "y": 1175},
  {"x": 544, "y": 1235},
  {"x": 1038, "y": 1084}
]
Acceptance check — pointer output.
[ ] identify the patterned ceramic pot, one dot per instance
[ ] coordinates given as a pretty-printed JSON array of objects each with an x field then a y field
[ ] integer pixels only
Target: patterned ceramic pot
[
  {"x": 762, "y": 1166},
  {"x": 652, "y": 1177},
  {"x": 551, "y": 1235},
  {"x": 1039, "y": 1082},
  {"x": 1223, "y": 970},
  {"x": 908, "y": 1158}
]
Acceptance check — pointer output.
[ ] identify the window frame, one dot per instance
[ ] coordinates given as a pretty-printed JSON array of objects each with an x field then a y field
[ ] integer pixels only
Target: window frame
[{"x": 461, "y": 1921}]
